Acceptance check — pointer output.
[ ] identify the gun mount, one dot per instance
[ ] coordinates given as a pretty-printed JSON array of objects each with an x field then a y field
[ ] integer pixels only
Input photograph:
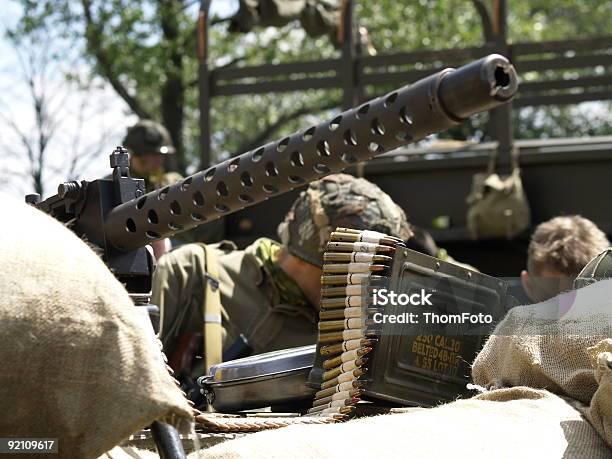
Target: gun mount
[{"x": 431, "y": 105}]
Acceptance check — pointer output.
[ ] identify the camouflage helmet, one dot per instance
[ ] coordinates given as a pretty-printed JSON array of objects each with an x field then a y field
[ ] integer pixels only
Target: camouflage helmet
[
  {"x": 148, "y": 137},
  {"x": 338, "y": 200},
  {"x": 599, "y": 268}
]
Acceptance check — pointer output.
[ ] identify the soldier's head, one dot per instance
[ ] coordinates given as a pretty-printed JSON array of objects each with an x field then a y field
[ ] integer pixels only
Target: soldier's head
[
  {"x": 338, "y": 200},
  {"x": 559, "y": 249},
  {"x": 148, "y": 143}
]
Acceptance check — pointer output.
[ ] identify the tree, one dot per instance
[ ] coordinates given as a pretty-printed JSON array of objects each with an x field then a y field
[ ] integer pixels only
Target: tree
[
  {"x": 36, "y": 138},
  {"x": 146, "y": 51},
  {"x": 33, "y": 142}
]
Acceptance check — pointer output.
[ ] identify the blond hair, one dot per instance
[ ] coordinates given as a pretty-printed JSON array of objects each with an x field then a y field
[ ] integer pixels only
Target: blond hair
[{"x": 565, "y": 244}]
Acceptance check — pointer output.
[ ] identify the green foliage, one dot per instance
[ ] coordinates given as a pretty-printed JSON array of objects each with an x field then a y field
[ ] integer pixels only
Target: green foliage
[
  {"x": 556, "y": 20},
  {"x": 547, "y": 122},
  {"x": 420, "y": 24},
  {"x": 130, "y": 33}
]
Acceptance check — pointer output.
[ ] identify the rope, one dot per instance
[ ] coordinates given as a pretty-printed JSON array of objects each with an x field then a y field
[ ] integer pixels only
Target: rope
[{"x": 211, "y": 423}]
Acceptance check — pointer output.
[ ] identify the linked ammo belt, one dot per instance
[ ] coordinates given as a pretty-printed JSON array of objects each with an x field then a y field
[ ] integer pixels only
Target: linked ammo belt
[
  {"x": 363, "y": 362},
  {"x": 355, "y": 262}
]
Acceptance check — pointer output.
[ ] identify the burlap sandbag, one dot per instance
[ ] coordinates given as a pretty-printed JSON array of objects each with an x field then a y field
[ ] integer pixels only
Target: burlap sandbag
[
  {"x": 77, "y": 363},
  {"x": 545, "y": 345},
  {"x": 128, "y": 452},
  {"x": 562, "y": 345},
  {"x": 600, "y": 410},
  {"x": 509, "y": 423}
]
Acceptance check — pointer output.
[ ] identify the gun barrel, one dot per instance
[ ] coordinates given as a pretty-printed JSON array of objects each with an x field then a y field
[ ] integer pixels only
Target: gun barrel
[{"x": 411, "y": 113}]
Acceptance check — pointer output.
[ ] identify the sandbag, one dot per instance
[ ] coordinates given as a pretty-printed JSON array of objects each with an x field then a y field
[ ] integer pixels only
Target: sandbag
[
  {"x": 128, "y": 452},
  {"x": 545, "y": 345},
  {"x": 77, "y": 363},
  {"x": 599, "y": 413},
  {"x": 507, "y": 423},
  {"x": 562, "y": 345}
]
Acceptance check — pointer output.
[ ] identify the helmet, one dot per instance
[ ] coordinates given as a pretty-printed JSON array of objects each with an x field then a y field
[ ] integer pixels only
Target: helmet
[
  {"x": 338, "y": 200},
  {"x": 599, "y": 268},
  {"x": 148, "y": 137}
]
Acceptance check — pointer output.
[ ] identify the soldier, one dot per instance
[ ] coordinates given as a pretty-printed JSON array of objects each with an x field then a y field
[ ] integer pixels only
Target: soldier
[
  {"x": 149, "y": 143},
  {"x": 559, "y": 249},
  {"x": 269, "y": 292}
]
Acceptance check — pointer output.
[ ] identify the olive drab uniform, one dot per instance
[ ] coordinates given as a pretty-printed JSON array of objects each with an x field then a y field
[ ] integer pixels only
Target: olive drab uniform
[{"x": 258, "y": 299}]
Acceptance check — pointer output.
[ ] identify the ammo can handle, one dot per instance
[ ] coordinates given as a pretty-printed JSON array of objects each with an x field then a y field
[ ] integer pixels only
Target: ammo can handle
[{"x": 406, "y": 115}]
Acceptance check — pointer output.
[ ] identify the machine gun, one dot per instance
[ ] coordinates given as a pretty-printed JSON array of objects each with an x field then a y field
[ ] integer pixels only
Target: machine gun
[{"x": 118, "y": 216}]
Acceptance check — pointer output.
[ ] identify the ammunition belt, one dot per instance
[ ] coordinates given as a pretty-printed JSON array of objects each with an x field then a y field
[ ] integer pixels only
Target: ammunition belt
[{"x": 355, "y": 262}]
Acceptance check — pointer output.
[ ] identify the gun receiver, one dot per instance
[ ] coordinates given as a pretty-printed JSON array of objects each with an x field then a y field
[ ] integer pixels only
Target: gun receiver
[{"x": 430, "y": 105}]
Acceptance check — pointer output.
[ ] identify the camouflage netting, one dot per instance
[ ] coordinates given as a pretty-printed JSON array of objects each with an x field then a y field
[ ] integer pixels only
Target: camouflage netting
[{"x": 78, "y": 362}]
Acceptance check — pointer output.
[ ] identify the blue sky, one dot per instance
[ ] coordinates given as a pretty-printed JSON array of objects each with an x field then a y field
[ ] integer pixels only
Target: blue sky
[
  {"x": 110, "y": 120},
  {"x": 223, "y": 7}
]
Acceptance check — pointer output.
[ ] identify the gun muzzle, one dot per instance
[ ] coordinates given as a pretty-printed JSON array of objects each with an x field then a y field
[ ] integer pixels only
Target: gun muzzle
[{"x": 406, "y": 115}]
